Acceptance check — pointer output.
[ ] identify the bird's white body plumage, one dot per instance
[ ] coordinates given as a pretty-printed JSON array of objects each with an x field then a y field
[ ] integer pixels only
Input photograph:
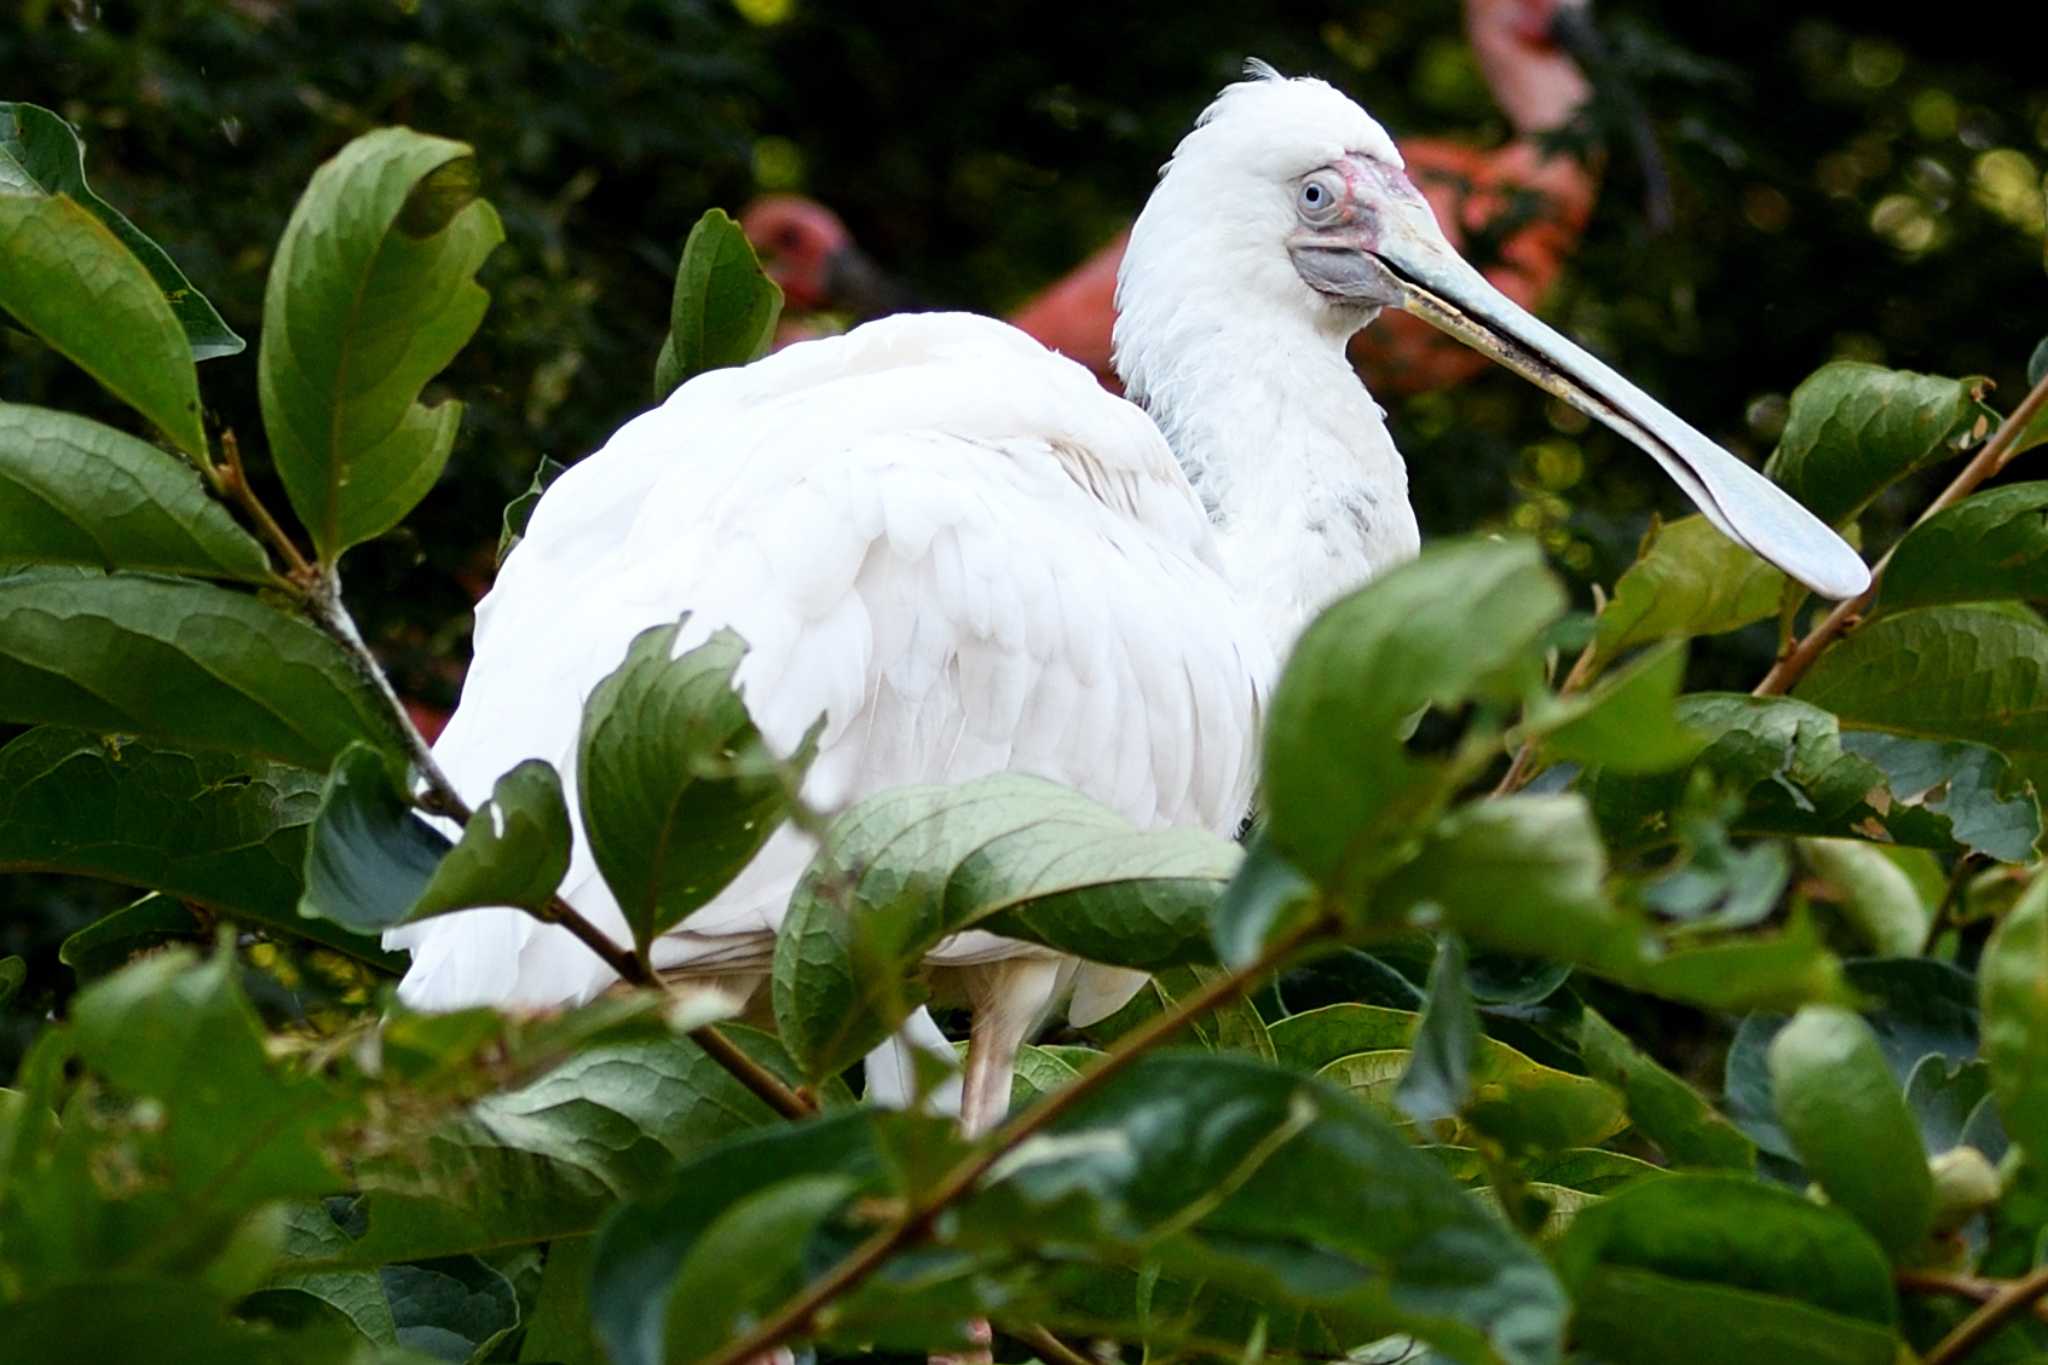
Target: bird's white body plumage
[{"x": 945, "y": 539}]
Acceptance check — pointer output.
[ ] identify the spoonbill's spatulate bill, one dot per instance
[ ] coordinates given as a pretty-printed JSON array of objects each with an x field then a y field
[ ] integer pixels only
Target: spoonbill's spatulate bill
[{"x": 971, "y": 559}]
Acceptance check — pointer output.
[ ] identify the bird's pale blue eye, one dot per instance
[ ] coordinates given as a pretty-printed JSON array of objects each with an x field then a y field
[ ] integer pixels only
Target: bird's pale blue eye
[{"x": 1317, "y": 198}]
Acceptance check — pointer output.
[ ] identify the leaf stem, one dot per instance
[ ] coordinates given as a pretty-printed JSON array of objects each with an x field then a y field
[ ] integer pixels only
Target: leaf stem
[
  {"x": 233, "y": 482},
  {"x": 798, "y": 1313},
  {"x": 1993, "y": 458},
  {"x": 2013, "y": 1297},
  {"x": 324, "y": 603},
  {"x": 1582, "y": 672}
]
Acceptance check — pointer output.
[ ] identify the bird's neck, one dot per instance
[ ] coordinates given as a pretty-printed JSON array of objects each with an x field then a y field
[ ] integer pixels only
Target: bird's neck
[{"x": 1288, "y": 451}]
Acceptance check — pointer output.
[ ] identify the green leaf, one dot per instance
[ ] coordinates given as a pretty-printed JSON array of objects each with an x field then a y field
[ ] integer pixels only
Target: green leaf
[
  {"x": 75, "y": 492},
  {"x": 725, "y": 307},
  {"x": 113, "y": 941},
  {"x": 1462, "y": 621},
  {"x": 560, "y": 1330},
  {"x": 753, "y": 1253},
  {"x": 520, "y": 510},
  {"x": 1639, "y": 1317},
  {"x": 679, "y": 791},
  {"x": 643, "y": 1248},
  {"x": 1750, "y": 1271},
  {"x": 550, "y": 1158},
  {"x": 1847, "y": 1119},
  {"x": 1365, "y": 1049},
  {"x": 107, "y": 1318},
  {"x": 1797, "y": 772},
  {"x": 68, "y": 279},
  {"x": 180, "y": 1095},
  {"x": 456, "y": 1308},
  {"x": 1688, "y": 580},
  {"x": 1010, "y": 854},
  {"x": 1854, "y": 429},
  {"x": 1766, "y": 971},
  {"x": 1267, "y": 897},
  {"x": 1988, "y": 547},
  {"x": 2013, "y": 984},
  {"x": 41, "y": 154},
  {"x": 13, "y": 971},
  {"x": 180, "y": 663},
  {"x": 1943, "y": 673},
  {"x": 513, "y": 851},
  {"x": 1284, "y": 1189},
  {"x": 1627, "y": 724},
  {"x": 1873, "y": 894},
  {"x": 1233, "y": 1027},
  {"x": 1521, "y": 874},
  {"x": 1660, "y": 1106},
  {"x": 1438, "y": 1080},
  {"x": 371, "y": 294},
  {"x": 1916, "y": 1006},
  {"x": 224, "y": 832},
  {"x": 370, "y": 859}
]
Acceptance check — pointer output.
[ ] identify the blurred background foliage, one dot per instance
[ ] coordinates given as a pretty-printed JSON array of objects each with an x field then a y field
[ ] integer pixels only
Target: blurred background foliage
[{"x": 1852, "y": 180}]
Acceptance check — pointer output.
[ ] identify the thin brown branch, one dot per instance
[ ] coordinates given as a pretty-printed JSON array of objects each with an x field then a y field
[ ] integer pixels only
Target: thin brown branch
[
  {"x": 233, "y": 482},
  {"x": 1582, "y": 672},
  {"x": 2015, "y": 1296},
  {"x": 795, "y": 1316},
  {"x": 1052, "y": 1349},
  {"x": 1996, "y": 454},
  {"x": 764, "y": 1083}
]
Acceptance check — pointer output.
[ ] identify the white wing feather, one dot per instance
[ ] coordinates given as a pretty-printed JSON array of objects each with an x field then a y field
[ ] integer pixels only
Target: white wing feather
[{"x": 940, "y": 535}]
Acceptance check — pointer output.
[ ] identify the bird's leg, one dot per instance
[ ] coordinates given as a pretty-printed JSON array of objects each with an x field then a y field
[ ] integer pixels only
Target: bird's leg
[{"x": 1008, "y": 999}]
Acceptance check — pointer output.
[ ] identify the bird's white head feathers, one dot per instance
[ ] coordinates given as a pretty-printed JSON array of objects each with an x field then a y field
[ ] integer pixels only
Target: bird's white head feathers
[{"x": 1208, "y": 264}]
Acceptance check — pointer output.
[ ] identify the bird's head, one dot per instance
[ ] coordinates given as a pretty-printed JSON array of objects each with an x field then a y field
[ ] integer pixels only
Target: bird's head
[
  {"x": 1285, "y": 222},
  {"x": 799, "y": 241}
]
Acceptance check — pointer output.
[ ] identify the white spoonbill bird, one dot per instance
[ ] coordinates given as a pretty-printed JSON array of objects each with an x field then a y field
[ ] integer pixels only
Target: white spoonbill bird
[{"x": 971, "y": 559}]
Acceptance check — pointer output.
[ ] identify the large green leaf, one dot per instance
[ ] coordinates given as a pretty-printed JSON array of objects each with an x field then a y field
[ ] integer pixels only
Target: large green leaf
[
  {"x": 1521, "y": 875},
  {"x": 1749, "y": 1271},
  {"x": 1462, "y": 621},
  {"x": 551, "y": 1157},
  {"x": 513, "y": 851},
  {"x": 2013, "y": 982},
  {"x": 1846, "y": 1115},
  {"x": 1011, "y": 854},
  {"x": 66, "y": 277},
  {"x": 1917, "y": 1007},
  {"x": 371, "y": 294},
  {"x": 1798, "y": 772},
  {"x": 369, "y": 859},
  {"x": 180, "y": 1095},
  {"x": 1988, "y": 547},
  {"x": 1688, "y": 580},
  {"x": 75, "y": 492},
  {"x": 724, "y": 310},
  {"x": 228, "y": 833},
  {"x": 40, "y": 154},
  {"x": 1856, "y": 428},
  {"x": 179, "y": 662},
  {"x": 679, "y": 791},
  {"x": 1944, "y": 673}
]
